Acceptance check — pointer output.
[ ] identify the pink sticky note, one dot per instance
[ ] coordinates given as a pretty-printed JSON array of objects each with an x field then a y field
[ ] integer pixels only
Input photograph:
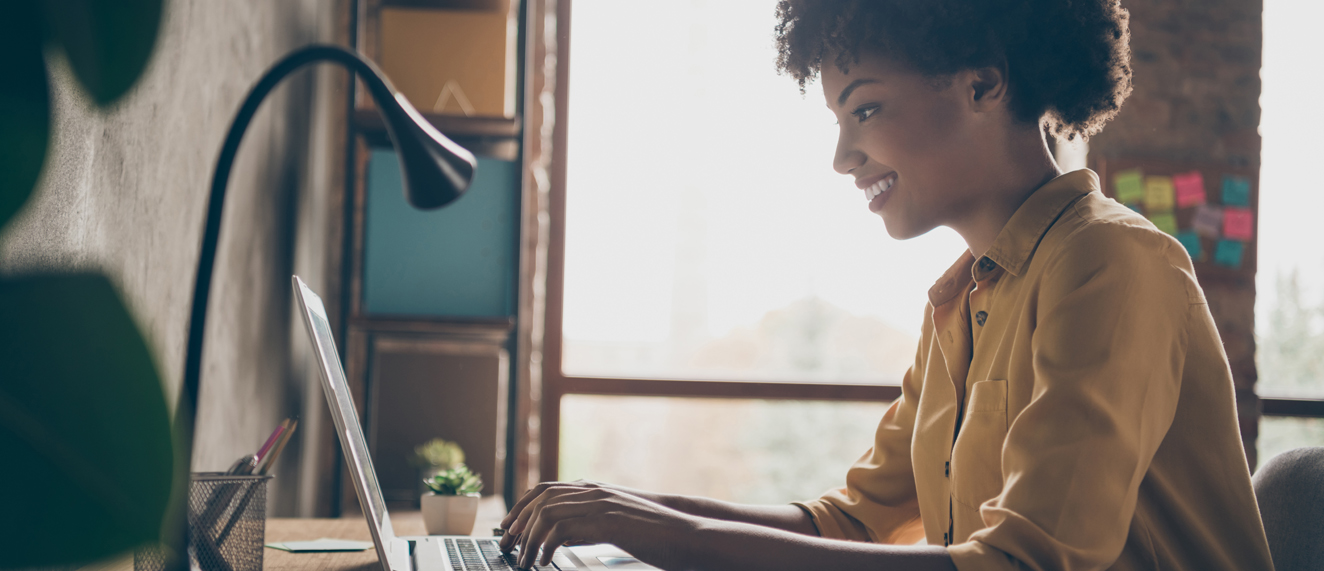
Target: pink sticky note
[
  {"x": 1190, "y": 189},
  {"x": 1237, "y": 223}
]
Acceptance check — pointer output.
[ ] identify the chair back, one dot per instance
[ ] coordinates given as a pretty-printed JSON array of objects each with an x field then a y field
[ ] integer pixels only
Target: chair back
[{"x": 1290, "y": 491}]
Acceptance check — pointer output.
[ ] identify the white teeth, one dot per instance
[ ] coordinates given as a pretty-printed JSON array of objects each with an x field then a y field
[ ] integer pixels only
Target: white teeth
[{"x": 879, "y": 187}]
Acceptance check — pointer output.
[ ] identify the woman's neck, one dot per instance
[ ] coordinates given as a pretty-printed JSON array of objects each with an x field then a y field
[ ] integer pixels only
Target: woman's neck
[{"x": 1022, "y": 165}]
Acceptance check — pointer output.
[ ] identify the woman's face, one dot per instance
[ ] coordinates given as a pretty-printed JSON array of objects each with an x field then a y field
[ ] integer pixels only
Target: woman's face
[{"x": 911, "y": 147}]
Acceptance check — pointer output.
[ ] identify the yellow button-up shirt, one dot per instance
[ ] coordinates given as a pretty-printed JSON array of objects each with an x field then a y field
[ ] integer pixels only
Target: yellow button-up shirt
[{"x": 1070, "y": 407}]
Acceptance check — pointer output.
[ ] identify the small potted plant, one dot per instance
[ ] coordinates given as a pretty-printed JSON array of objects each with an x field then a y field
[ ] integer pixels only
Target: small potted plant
[
  {"x": 433, "y": 457},
  {"x": 451, "y": 507}
]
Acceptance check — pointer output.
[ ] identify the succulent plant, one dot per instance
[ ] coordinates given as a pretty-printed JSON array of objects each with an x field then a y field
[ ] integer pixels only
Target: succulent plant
[{"x": 457, "y": 481}]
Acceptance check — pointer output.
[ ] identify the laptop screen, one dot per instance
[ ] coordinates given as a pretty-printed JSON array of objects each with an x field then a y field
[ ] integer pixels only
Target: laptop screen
[{"x": 346, "y": 417}]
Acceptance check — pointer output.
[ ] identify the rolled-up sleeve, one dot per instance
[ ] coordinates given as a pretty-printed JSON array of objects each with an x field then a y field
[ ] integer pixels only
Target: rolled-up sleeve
[{"x": 1108, "y": 352}]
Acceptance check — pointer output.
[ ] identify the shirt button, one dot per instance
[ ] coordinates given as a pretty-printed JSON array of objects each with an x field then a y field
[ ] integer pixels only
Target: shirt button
[
  {"x": 981, "y": 317},
  {"x": 987, "y": 264}
]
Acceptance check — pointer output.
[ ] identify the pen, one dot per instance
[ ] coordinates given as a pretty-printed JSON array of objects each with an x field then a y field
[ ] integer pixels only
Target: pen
[
  {"x": 270, "y": 459},
  {"x": 266, "y": 463},
  {"x": 275, "y": 435}
]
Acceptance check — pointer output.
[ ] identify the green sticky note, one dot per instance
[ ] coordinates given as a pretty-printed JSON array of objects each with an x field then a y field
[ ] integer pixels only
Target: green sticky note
[
  {"x": 1191, "y": 241},
  {"x": 1236, "y": 190},
  {"x": 1130, "y": 186},
  {"x": 1228, "y": 253},
  {"x": 1158, "y": 193},
  {"x": 1165, "y": 222}
]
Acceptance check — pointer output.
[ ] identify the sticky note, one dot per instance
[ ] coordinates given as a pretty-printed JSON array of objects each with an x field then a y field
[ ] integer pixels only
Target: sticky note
[
  {"x": 1134, "y": 208},
  {"x": 1158, "y": 193},
  {"x": 1228, "y": 253},
  {"x": 1208, "y": 221},
  {"x": 1237, "y": 223},
  {"x": 1165, "y": 222},
  {"x": 1236, "y": 190},
  {"x": 1130, "y": 186},
  {"x": 1190, "y": 189},
  {"x": 1191, "y": 241}
]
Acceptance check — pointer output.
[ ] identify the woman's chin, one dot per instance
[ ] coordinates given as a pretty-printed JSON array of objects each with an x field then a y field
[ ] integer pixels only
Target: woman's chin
[{"x": 900, "y": 228}]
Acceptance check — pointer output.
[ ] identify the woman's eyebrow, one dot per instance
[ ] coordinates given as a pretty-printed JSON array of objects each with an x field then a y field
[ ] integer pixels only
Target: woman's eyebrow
[{"x": 841, "y": 99}]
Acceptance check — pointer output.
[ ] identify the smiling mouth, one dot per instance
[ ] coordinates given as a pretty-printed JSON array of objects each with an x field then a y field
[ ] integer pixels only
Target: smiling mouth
[{"x": 877, "y": 188}]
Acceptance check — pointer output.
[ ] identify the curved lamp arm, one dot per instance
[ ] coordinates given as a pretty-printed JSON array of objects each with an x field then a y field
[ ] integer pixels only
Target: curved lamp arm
[{"x": 436, "y": 171}]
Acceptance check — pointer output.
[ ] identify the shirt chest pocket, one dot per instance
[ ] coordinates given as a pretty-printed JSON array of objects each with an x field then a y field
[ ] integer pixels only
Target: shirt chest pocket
[{"x": 977, "y": 453}]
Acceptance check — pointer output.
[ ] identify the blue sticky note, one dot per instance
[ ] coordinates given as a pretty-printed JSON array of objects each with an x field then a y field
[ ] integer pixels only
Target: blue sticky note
[
  {"x": 1228, "y": 253},
  {"x": 1236, "y": 190},
  {"x": 1191, "y": 241}
]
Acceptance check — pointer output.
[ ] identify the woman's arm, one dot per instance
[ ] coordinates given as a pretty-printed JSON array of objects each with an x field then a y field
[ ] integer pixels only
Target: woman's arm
[
  {"x": 670, "y": 539},
  {"x": 784, "y": 517}
]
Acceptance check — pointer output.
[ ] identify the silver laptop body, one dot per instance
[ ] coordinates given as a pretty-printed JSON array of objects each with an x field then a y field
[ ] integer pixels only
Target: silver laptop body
[{"x": 425, "y": 553}]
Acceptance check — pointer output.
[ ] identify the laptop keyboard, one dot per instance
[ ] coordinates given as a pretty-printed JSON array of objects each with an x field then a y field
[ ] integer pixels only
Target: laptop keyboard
[{"x": 485, "y": 555}]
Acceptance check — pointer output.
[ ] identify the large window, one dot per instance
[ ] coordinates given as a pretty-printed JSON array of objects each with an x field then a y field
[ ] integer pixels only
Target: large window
[
  {"x": 706, "y": 233},
  {"x": 711, "y": 251},
  {"x": 1289, "y": 313}
]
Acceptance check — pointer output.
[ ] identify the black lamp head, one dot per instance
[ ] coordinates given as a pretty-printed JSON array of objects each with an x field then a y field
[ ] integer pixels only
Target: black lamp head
[{"x": 436, "y": 170}]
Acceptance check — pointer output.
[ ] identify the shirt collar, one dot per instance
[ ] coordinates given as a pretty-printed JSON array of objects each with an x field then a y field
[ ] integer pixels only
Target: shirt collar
[{"x": 1014, "y": 246}]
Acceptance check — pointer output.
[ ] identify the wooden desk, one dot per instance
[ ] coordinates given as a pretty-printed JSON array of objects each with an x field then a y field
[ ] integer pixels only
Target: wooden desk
[{"x": 490, "y": 512}]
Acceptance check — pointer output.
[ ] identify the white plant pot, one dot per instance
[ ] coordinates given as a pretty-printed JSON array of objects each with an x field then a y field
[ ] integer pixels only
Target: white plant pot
[{"x": 449, "y": 515}]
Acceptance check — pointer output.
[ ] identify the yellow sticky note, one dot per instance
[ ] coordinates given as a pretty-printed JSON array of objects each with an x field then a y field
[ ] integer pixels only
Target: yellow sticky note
[
  {"x": 1159, "y": 193},
  {"x": 1130, "y": 186}
]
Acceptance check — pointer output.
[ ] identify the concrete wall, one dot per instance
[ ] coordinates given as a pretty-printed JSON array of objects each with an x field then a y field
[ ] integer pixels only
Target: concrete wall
[
  {"x": 124, "y": 191},
  {"x": 1197, "y": 98}
]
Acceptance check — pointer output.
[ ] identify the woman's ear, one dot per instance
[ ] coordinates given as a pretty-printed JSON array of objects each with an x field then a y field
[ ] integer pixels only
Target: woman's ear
[{"x": 987, "y": 87}]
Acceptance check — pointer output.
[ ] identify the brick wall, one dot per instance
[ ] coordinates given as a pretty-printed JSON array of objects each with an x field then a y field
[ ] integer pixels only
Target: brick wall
[{"x": 1197, "y": 89}]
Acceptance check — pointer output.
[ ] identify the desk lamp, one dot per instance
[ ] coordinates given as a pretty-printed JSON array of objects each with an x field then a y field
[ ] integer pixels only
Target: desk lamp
[{"x": 436, "y": 171}]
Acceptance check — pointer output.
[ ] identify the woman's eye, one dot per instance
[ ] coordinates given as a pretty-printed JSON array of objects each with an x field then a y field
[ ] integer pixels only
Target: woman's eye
[{"x": 864, "y": 112}]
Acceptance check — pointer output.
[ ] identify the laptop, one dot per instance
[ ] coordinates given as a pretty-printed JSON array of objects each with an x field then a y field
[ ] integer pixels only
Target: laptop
[{"x": 425, "y": 553}]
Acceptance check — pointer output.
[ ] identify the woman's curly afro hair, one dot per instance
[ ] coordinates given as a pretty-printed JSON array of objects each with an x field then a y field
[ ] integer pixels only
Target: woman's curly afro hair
[{"x": 1068, "y": 61}]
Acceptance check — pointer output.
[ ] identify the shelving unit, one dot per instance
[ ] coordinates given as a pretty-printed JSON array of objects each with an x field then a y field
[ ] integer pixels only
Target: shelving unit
[{"x": 456, "y": 366}]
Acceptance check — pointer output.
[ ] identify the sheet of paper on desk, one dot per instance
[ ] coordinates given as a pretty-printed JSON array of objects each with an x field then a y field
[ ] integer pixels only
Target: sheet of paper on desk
[
  {"x": 324, "y": 544},
  {"x": 623, "y": 563}
]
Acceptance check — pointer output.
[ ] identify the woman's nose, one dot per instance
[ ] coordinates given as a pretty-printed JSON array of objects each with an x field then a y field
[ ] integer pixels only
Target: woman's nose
[{"x": 846, "y": 158}]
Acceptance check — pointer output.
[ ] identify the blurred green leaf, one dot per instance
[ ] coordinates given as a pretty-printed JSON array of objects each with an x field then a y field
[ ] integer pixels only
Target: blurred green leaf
[
  {"x": 25, "y": 113},
  {"x": 84, "y": 428},
  {"x": 108, "y": 42}
]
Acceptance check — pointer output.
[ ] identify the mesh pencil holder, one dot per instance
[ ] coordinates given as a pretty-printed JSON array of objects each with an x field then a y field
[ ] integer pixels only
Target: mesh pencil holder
[{"x": 227, "y": 517}]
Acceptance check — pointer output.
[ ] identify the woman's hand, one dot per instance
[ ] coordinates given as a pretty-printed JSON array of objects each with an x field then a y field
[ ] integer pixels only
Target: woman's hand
[
  {"x": 508, "y": 540},
  {"x": 556, "y": 514}
]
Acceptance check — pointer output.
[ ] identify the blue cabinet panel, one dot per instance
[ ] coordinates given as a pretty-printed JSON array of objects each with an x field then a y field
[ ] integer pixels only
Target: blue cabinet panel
[{"x": 459, "y": 261}]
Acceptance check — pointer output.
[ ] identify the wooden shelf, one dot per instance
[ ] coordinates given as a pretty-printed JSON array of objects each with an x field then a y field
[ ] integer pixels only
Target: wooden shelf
[
  {"x": 368, "y": 120},
  {"x": 497, "y": 137},
  {"x": 485, "y": 5}
]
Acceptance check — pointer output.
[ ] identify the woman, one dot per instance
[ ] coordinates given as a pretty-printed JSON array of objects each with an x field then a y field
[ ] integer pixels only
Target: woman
[{"x": 1070, "y": 406}]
